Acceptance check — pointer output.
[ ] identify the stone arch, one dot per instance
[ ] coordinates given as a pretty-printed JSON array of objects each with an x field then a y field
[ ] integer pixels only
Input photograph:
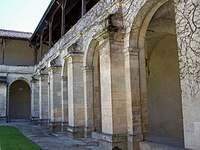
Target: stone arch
[
  {"x": 19, "y": 100},
  {"x": 89, "y": 54},
  {"x": 92, "y": 88},
  {"x": 20, "y": 78},
  {"x": 138, "y": 39},
  {"x": 141, "y": 22}
]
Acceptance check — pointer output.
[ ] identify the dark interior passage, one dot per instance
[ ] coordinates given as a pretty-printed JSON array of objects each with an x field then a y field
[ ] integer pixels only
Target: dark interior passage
[{"x": 19, "y": 100}]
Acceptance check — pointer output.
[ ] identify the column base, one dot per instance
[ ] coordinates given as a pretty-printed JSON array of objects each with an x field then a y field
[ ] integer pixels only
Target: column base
[
  {"x": 64, "y": 126},
  {"x": 88, "y": 132},
  {"x": 35, "y": 120},
  {"x": 44, "y": 122},
  {"x": 55, "y": 126},
  {"x": 133, "y": 141},
  {"x": 3, "y": 120},
  {"x": 111, "y": 141},
  {"x": 75, "y": 132}
]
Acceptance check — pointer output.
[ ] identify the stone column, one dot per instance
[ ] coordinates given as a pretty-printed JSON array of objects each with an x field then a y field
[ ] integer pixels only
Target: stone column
[
  {"x": 3, "y": 101},
  {"x": 35, "y": 100},
  {"x": 64, "y": 97},
  {"x": 75, "y": 95},
  {"x": 113, "y": 94},
  {"x": 88, "y": 100},
  {"x": 133, "y": 104},
  {"x": 43, "y": 99},
  {"x": 55, "y": 99}
]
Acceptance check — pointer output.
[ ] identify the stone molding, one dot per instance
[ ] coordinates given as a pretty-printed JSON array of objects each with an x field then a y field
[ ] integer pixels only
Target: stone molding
[
  {"x": 110, "y": 137},
  {"x": 64, "y": 78},
  {"x": 132, "y": 51},
  {"x": 88, "y": 68}
]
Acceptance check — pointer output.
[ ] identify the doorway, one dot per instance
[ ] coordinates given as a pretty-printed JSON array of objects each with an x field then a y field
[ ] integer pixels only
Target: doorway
[{"x": 19, "y": 100}]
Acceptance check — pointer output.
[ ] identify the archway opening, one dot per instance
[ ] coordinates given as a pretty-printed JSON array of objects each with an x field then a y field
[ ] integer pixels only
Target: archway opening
[
  {"x": 93, "y": 83},
  {"x": 97, "y": 92},
  {"x": 64, "y": 91},
  {"x": 19, "y": 100},
  {"x": 163, "y": 83}
]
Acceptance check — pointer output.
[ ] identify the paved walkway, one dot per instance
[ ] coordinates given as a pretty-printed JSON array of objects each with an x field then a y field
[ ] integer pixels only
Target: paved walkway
[{"x": 48, "y": 141}]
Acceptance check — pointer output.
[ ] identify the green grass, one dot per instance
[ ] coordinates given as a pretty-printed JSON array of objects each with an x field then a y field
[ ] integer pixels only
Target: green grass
[{"x": 12, "y": 139}]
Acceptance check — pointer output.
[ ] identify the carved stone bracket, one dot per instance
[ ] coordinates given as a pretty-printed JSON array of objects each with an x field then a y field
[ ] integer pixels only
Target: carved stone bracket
[
  {"x": 75, "y": 49},
  {"x": 55, "y": 62},
  {"x": 34, "y": 78},
  {"x": 114, "y": 22},
  {"x": 42, "y": 71}
]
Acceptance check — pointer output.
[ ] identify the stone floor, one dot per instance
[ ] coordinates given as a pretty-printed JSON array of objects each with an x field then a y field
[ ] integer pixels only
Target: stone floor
[
  {"x": 174, "y": 142},
  {"x": 49, "y": 141}
]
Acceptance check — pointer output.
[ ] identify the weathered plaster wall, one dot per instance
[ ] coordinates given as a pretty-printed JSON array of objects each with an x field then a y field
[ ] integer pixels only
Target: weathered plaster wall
[
  {"x": 188, "y": 31},
  {"x": 18, "y": 52}
]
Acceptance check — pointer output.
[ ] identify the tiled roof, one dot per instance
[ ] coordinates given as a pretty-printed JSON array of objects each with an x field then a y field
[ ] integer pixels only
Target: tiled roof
[{"x": 15, "y": 34}]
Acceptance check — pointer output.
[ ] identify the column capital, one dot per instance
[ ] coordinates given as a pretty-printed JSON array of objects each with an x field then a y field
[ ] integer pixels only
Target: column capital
[
  {"x": 74, "y": 58},
  {"x": 34, "y": 79},
  {"x": 43, "y": 75},
  {"x": 132, "y": 51},
  {"x": 42, "y": 70},
  {"x": 64, "y": 78},
  {"x": 54, "y": 67},
  {"x": 87, "y": 68}
]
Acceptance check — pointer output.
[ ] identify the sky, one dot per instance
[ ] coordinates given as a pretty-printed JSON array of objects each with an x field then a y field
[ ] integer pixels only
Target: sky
[{"x": 22, "y": 15}]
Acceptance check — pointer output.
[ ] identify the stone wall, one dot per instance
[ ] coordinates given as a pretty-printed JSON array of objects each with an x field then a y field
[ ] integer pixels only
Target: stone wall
[{"x": 188, "y": 31}]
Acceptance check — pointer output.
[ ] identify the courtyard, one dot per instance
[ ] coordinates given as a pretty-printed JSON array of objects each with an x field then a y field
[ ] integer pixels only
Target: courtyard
[{"x": 49, "y": 141}]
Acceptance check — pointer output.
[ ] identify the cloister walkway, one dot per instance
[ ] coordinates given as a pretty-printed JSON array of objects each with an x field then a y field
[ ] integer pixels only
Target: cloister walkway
[{"x": 48, "y": 141}]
